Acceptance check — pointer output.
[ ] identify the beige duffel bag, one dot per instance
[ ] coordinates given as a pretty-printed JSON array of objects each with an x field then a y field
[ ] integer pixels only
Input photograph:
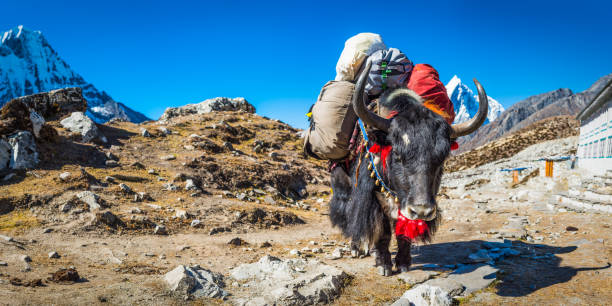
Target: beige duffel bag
[{"x": 332, "y": 122}]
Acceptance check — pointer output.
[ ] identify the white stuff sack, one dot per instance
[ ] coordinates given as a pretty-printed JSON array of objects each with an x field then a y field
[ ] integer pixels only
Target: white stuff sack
[{"x": 355, "y": 51}]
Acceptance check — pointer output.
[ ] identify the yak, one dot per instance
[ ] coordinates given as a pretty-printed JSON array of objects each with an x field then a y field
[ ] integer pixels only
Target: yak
[{"x": 420, "y": 142}]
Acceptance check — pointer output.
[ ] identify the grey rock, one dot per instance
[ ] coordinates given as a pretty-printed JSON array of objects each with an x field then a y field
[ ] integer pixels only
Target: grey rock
[
  {"x": 196, "y": 223},
  {"x": 336, "y": 254},
  {"x": 54, "y": 255},
  {"x": 207, "y": 106},
  {"x": 451, "y": 286},
  {"x": 64, "y": 176},
  {"x": 479, "y": 256},
  {"x": 182, "y": 214},
  {"x": 24, "y": 154},
  {"x": 416, "y": 276},
  {"x": 25, "y": 258},
  {"x": 5, "y": 154},
  {"x": 110, "y": 179},
  {"x": 125, "y": 188},
  {"x": 196, "y": 281},
  {"x": 290, "y": 282},
  {"x": 474, "y": 277},
  {"x": 111, "y": 163},
  {"x": 3, "y": 264},
  {"x": 144, "y": 132},
  {"x": 91, "y": 199},
  {"x": 7, "y": 238},
  {"x": 160, "y": 230},
  {"x": 9, "y": 176},
  {"x": 190, "y": 185},
  {"x": 47, "y": 230},
  {"x": 164, "y": 130},
  {"x": 425, "y": 295},
  {"x": 37, "y": 123},
  {"x": 79, "y": 123},
  {"x": 167, "y": 157},
  {"x": 66, "y": 207}
]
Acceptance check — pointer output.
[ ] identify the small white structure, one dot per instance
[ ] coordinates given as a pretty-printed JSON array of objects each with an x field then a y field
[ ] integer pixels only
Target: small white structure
[{"x": 595, "y": 144}]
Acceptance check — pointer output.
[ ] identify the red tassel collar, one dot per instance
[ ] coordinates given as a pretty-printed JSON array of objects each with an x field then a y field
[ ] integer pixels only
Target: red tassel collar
[
  {"x": 384, "y": 152},
  {"x": 408, "y": 228}
]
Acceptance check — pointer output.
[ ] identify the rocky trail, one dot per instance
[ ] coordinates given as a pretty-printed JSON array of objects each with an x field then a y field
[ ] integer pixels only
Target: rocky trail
[{"x": 215, "y": 205}]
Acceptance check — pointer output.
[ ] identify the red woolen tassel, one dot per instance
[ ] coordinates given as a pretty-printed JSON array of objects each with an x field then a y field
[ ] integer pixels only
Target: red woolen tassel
[
  {"x": 454, "y": 146},
  {"x": 409, "y": 228}
]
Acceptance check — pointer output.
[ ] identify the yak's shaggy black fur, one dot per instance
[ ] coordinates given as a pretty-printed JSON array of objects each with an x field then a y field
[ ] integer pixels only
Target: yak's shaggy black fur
[{"x": 414, "y": 169}]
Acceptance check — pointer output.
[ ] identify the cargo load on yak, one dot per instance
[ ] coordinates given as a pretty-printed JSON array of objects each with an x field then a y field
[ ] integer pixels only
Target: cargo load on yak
[{"x": 333, "y": 119}]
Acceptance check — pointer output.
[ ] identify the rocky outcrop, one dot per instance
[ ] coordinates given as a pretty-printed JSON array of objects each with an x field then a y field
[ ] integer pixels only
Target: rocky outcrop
[
  {"x": 210, "y": 105},
  {"x": 56, "y": 103}
]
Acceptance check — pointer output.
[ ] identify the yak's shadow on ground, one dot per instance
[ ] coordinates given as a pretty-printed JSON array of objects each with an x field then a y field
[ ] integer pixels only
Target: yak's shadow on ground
[{"x": 537, "y": 267}]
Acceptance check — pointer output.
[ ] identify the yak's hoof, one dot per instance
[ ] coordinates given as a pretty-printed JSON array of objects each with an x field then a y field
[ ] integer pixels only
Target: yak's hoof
[
  {"x": 385, "y": 270},
  {"x": 403, "y": 268}
]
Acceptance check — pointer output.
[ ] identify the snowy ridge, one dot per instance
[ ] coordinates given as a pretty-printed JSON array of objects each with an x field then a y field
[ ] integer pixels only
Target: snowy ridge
[
  {"x": 28, "y": 65},
  {"x": 465, "y": 102}
]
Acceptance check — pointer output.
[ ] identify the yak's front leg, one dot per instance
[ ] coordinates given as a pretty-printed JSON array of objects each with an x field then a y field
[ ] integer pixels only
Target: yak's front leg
[
  {"x": 381, "y": 251},
  {"x": 402, "y": 258}
]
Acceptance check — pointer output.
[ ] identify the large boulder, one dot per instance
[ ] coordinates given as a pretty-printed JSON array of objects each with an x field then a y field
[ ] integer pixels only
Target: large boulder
[
  {"x": 55, "y": 103},
  {"x": 289, "y": 282},
  {"x": 5, "y": 154},
  {"x": 79, "y": 123},
  {"x": 23, "y": 151},
  {"x": 210, "y": 105},
  {"x": 195, "y": 281}
]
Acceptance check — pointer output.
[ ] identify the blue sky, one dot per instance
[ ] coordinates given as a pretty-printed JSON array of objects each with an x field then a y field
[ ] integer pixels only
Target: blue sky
[{"x": 155, "y": 54}]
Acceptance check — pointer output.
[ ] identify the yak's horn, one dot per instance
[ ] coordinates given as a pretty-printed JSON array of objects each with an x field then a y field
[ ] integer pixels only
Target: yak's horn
[
  {"x": 473, "y": 124},
  {"x": 359, "y": 103}
]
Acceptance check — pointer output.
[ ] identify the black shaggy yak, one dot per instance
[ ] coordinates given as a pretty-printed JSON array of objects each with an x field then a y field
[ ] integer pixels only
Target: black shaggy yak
[{"x": 420, "y": 141}]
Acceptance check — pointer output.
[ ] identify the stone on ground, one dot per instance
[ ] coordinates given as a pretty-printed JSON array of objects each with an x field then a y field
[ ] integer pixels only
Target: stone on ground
[
  {"x": 425, "y": 295},
  {"x": 24, "y": 154},
  {"x": 276, "y": 281},
  {"x": 78, "y": 122},
  {"x": 474, "y": 277},
  {"x": 37, "y": 123},
  {"x": 91, "y": 199},
  {"x": 195, "y": 281},
  {"x": 416, "y": 276}
]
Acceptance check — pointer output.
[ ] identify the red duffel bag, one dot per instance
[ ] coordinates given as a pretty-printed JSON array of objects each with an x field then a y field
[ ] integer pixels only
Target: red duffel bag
[{"x": 425, "y": 81}]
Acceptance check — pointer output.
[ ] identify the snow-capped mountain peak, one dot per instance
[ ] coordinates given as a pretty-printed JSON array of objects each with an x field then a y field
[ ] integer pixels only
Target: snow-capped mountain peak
[
  {"x": 28, "y": 65},
  {"x": 465, "y": 102}
]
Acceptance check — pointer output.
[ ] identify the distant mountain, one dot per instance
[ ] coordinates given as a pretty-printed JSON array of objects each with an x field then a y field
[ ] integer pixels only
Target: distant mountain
[
  {"x": 535, "y": 108},
  {"x": 28, "y": 65},
  {"x": 465, "y": 102}
]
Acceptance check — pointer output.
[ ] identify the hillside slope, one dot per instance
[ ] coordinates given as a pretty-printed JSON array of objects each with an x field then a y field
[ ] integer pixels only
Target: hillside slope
[{"x": 526, "y": 112}]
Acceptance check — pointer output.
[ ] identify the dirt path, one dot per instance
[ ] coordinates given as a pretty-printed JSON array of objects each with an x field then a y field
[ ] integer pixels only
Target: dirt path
[{"x": 127, "y": 269}]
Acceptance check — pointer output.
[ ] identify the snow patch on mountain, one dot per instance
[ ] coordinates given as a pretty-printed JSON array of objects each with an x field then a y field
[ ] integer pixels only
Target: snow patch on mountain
[
  {"x": 465, "y": 102},
  {"x": 28, "y": 65}
]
